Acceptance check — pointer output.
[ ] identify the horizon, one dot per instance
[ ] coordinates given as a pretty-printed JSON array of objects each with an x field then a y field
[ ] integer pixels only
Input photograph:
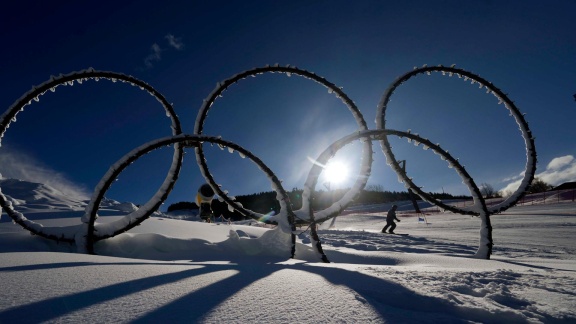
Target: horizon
[{"x": 21, "y": 194}]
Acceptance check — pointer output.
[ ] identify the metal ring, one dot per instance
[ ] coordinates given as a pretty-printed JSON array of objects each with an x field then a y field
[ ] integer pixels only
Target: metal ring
[
  {"x": 94, "y": 232},
  {"x": 523, "y": 125},
  {"x": 33, "y": 95},
  {"x": 306, "y": 211},
  {"x": 486, "y": 242}
]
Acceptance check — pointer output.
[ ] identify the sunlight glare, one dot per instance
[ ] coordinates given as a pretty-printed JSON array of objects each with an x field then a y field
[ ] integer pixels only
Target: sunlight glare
[{"x": 336, "y": 172}]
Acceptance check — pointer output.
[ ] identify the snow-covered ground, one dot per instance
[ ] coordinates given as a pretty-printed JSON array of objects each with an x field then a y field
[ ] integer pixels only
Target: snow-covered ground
[{"x": 171, "y": 270}]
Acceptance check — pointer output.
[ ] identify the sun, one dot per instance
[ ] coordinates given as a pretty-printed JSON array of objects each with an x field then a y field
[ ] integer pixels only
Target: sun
[{"x": 335, "y": 172}]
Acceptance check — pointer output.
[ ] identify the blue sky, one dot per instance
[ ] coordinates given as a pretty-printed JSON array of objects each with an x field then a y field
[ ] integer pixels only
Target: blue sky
[{"x": 183, "y": 48}]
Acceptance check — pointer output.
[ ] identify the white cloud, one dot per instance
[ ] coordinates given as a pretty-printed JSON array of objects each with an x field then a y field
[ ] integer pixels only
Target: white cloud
[
  {"x": 560, "y": 162},
  {"x": 558, "y": 171},
  {"x": 154, "y": 56},
  {"x": 18, "y": 165},
  {"x": 515, "y": 177},
  {"x": 156, "y": 51},
  {"x": 174, "y": 41}
]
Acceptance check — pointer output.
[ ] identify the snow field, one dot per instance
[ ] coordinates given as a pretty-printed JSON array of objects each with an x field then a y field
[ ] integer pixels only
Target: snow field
[{"x": 182, "y": 271}]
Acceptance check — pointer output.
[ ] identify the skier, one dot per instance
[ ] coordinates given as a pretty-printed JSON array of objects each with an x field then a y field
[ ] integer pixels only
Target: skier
[{"x": 390, "y": 220}]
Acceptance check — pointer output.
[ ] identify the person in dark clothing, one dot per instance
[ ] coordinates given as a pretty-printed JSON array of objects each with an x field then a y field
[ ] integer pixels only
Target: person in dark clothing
[
  {"x": 390, "y": 220},
  {"x": 204, "y": 200}
]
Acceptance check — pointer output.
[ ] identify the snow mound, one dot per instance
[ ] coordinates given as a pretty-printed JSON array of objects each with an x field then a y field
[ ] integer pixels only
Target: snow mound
[{"x": 126, "y": 207}]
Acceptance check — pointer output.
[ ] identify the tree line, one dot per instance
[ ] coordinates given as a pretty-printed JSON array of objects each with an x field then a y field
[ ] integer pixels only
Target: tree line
[{"x": 266, "y": 203}]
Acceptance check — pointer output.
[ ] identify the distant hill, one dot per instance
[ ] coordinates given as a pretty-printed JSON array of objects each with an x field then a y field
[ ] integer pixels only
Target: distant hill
[
  {"x": 28, "y": 196},
  {"x": 566, "y": 186}
]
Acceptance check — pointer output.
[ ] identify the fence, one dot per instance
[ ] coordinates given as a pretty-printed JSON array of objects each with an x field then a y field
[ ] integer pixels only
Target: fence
[
  {"x": 541, "y": 198},
  {"x": 549, "y": 197}
]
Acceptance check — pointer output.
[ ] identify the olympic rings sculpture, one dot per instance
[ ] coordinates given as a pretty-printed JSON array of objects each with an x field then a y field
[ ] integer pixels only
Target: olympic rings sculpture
[{"x": 89, "y": 232}]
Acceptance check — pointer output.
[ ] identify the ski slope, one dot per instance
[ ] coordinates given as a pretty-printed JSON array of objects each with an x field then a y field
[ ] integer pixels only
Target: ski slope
[{"x": 173, "y": 270}]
